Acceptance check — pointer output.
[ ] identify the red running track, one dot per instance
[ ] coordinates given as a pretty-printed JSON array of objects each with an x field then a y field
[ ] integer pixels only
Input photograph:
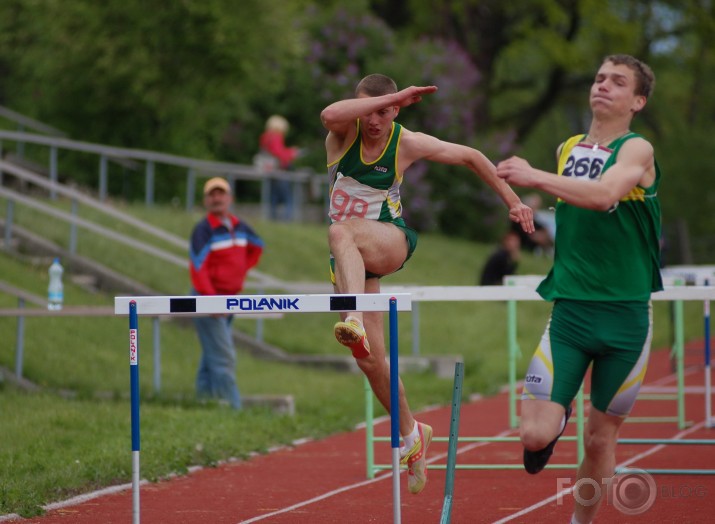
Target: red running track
[{"x": 325, "y": 481}]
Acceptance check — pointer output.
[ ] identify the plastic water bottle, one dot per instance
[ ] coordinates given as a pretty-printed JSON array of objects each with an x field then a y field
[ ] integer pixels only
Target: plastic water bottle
[{"x": 55, "y": 291}]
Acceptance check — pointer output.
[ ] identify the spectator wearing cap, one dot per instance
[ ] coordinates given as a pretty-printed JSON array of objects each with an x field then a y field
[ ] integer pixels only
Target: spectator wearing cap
[{"x": 223, "y": 249}]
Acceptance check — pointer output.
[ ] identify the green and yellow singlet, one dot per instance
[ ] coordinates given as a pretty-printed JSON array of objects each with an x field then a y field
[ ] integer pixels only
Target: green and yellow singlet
[
  {"x": 360, "y": 189},
  {"x": 609, "y": 255}
]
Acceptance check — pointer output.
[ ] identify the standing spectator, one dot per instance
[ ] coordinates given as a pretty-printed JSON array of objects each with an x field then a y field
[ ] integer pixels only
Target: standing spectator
[
  {"x": 503, "y": 261},
  {"x": 223, "y": 249},
  {"x": 275, "y": 155}
]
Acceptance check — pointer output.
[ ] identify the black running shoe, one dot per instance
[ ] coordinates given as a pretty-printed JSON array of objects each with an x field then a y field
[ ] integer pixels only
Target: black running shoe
[{"x": 535, "y": 461}]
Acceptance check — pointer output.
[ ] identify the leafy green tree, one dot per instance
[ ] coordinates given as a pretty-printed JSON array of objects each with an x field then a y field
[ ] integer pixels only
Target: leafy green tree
[
  {"x": 537, "y": 59},
  {"x": 199, "y": 77},
  {"x": 150, "y": 74}
]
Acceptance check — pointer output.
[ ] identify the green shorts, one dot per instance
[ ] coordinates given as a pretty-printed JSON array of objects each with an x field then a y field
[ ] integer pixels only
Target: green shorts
[
  {"x": 613, "y": 336},
  {"x": 410, "y": 235}
]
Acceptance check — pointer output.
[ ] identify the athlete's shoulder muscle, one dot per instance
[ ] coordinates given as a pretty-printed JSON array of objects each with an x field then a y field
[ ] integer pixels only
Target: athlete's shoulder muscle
[{"x": 337, "y": 143}]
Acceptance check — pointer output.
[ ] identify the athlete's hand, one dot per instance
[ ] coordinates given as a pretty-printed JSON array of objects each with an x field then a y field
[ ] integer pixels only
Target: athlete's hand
[
  {"x": 413, "y": 94},
  {"x": 523, "y": 215},
  {"x": 516, "y": 171}
]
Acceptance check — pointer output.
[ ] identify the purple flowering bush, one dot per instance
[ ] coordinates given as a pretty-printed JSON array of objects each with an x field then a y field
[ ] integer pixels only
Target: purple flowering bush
[{"x": 345, "y": 44}]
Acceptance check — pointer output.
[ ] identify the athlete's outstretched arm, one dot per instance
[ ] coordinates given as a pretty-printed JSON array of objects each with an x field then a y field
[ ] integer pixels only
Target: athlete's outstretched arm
[
  {"x": 340, "y": 116},
  {"x": 634, "y": 166},
  {"x": 421, "y": 145}
]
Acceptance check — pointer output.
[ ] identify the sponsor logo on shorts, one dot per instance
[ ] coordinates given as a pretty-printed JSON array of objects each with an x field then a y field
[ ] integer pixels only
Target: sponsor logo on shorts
[
  {"x": 262, "y": 304},
  {"x": 533, "y": 379}
]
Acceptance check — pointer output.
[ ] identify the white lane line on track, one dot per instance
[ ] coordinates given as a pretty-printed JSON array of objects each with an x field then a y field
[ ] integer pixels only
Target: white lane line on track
[
  {"x": 79, "y": 499},
  {"x": 385, "y": 476},
  {"x": 661, "y": 381}
]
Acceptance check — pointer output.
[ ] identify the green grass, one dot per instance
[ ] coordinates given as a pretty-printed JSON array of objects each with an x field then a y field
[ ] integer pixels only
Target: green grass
[{"x": 54, "y": 447}]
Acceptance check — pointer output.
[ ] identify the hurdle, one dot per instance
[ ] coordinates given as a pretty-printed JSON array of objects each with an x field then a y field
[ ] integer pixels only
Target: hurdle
[
  {"x": 701, "y": 279},
  {"x": 523, "y": 289},
  {"x": 701, "y": 276},
  {"x": 506, "y": 294},
  {"x": 247, "y": 305},
  {"x": 453, "y": 438}
]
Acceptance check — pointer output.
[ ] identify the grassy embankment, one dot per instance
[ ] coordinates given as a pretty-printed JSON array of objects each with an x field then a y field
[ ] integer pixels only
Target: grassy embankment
[{"x": 54, "y": 447}]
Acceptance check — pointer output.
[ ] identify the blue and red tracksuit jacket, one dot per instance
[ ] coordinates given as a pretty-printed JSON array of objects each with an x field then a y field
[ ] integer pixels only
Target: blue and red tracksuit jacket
[{"x": 220, "y": 257}]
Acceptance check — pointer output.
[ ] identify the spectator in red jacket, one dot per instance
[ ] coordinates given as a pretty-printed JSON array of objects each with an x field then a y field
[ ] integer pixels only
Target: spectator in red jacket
[
  {"x": 275, "y": 155},
  {"x": 223, "y": 249}
]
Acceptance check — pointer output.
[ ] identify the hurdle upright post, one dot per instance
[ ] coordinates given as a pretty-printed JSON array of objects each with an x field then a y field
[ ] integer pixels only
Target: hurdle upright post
[
  {"x": 678, "y": 353},
  {"x": 395, "y": 411},
  {"x": 453, "y": 441},
  {"x": 706, "y": 355},
  {"x": 513, "y": 348},
  {"x": 369, "y": 430},
  {"x": 134, "y": 384}
]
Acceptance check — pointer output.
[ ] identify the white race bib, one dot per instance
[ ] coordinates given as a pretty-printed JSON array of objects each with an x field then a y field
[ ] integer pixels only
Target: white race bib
[
  {"x": 585, "y": 162},
  {"x": 351, "y": 199}
]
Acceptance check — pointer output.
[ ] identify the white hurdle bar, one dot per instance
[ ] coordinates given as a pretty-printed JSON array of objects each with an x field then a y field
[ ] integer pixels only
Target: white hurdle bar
[
  {"x": 523, "y": 288},
  {"x": 247, "y": 305},
  {"x": 260, "y": 304}
]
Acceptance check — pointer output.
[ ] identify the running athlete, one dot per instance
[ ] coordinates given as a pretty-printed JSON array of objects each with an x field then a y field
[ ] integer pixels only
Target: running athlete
[
  {"x": 606, "y": 264},
  {"x": 367, "y": 154}
]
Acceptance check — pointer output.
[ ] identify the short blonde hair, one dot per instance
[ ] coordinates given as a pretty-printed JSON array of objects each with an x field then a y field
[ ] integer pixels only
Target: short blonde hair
[
  {"x": 376, "y": 85},
  {"x": 277, "y": 123}
]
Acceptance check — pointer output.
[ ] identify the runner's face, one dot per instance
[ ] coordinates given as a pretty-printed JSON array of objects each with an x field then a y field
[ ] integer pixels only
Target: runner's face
[
  {"x": 613, "y": 91},
  {"x": 378, "y": 124}
]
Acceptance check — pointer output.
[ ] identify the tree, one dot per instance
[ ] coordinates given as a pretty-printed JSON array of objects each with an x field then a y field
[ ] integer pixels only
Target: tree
[
  {"x": 149, "y": 74},
  {"x": 199, "y": 77}
]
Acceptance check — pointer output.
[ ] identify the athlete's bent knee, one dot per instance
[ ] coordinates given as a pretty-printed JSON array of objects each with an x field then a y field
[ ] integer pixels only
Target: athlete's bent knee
[
  {"x": 534, "y": 436},
  {"x": 339, "y": 233}
]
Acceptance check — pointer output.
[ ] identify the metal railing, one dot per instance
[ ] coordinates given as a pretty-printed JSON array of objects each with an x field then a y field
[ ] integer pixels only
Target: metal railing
[
  {"x": 304, "y": 180},
  {"x": 257, "y": 278}
]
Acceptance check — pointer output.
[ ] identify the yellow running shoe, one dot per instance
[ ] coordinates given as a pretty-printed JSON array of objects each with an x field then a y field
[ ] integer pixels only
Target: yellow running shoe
[
  {"x": 415, "y": 459},
  {"x": 351, "y": 333}
]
